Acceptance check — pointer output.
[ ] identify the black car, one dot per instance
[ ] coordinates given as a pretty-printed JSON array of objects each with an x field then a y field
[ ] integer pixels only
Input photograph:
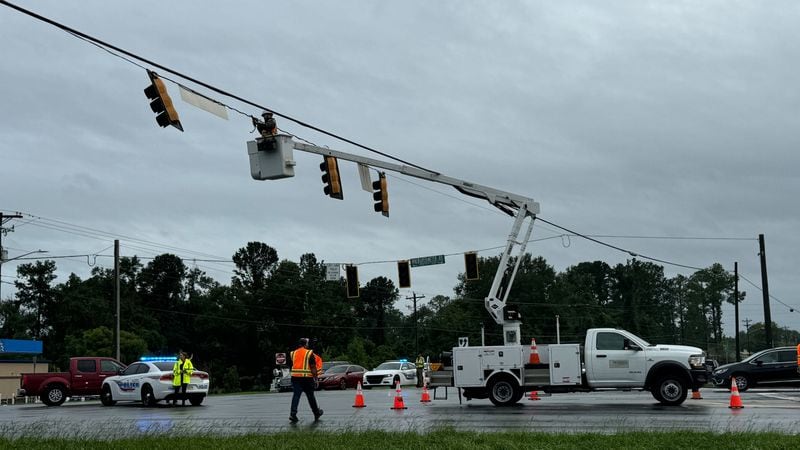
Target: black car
[{"x": 771, "y": 367}]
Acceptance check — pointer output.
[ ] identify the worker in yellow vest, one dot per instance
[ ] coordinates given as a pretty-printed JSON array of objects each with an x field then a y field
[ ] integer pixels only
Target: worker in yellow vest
[
  {"x": 304, "y": 379},
  {"x": 181, "y": 374}
]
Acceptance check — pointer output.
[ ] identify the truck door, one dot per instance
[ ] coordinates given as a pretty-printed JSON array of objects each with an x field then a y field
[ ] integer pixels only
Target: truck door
[
  {"x": 614, "y": 363},
  {"x": 84, "y": 376}
]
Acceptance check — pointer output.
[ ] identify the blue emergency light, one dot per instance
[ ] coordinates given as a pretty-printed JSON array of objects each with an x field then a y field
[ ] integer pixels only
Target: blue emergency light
[{"x": 158, "y": 358}]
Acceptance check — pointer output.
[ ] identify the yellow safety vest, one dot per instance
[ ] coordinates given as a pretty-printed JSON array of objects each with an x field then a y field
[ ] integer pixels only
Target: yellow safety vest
[
  {"x": 300, "y": 362},
  {"x": 179, "y": 378}
]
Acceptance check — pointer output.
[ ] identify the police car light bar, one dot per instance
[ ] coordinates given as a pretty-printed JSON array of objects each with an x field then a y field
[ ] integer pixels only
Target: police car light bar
[{"x": 158, "y": 359}]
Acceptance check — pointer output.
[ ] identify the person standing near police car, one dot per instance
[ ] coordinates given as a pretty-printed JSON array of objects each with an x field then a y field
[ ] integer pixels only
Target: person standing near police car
[
  {"x": 420, "y": 364},
  {"x": 304, "y": 378},
  {"x": 181, "y": 374}
]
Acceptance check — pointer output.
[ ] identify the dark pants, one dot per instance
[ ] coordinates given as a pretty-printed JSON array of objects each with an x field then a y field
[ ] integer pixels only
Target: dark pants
[
  {"x": 300, "y": 385},
  {"x": 179, "y": 389},
  {"x": 420, "y": 379}
]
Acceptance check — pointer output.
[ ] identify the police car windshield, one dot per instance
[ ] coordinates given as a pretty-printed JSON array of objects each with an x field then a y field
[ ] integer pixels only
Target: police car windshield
[
  {"x": 163, "y": 365},
  {"x": 389, "y": 366}
]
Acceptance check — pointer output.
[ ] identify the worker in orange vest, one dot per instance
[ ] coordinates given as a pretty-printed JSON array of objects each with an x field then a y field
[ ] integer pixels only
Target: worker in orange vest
[
  {"x": 304, "y": 378},
  {"x": 798, "y": 359}
]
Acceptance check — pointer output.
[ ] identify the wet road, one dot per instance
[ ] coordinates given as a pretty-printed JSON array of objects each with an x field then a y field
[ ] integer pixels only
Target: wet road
[{"x": 604, "y": 412}]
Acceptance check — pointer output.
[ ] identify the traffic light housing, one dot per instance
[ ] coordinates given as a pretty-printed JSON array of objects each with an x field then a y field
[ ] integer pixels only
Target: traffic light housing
[
  {"x": 161, "y": 103},
  {"x": 331, "y": 177},
  {"x": 352, "y": 280},
  {"x": 471, "y": 265},
  {"x": 403, "y": 274},
  {"x": 381, "y": 195}
]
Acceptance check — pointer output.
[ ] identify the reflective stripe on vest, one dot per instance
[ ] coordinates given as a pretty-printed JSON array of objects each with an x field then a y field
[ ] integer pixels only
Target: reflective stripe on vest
[{"x": 300, "y": 366}]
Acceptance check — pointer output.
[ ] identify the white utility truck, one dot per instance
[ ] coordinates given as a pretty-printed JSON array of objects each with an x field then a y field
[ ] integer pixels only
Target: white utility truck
[{"x": 610, "y": 358}]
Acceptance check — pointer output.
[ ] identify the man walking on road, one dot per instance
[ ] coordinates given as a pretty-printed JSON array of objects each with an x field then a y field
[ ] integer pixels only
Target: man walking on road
[{"x": 304, "y": 378}]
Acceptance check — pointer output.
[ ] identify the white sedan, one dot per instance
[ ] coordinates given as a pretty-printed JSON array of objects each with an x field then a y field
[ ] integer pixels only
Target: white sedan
[
  {"x": 389, "y": 373},
  {"x": 150, "y": 382}
]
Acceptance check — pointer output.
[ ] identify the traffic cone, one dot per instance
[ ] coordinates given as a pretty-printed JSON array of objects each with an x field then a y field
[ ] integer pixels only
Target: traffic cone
[
  {"x": 534, "y": 353},
  {"x": 398, "y": 399},
  {"x": 359, "y": 398},
  {"x": 426, "y": 396},
  {"x": 736, "y": 401},
  {"x": 696, "y": 395},
  {"x": 534, "y": 396}
]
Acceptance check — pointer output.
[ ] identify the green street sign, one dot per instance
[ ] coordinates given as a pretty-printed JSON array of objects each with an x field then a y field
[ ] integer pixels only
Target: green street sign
[{"x": 427, "y": 261}]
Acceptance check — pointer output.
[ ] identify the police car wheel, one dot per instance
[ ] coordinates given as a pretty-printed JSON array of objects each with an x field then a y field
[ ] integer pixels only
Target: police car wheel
[
  {"x": 196, "y": 400},
  {"x": 105, "y": 397},
  {"x": 147, "y": 396}
]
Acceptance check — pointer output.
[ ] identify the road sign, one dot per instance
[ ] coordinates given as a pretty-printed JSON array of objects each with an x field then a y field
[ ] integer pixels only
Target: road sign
[
  {"x": 20, "y": 346},
  {"x": 427, "y": 261},
  {"x": 332, "y": 272},
  {"x": 280, "y": 358}
]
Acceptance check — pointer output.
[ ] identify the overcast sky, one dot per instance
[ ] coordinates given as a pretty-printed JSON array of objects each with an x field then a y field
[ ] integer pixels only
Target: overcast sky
[{"x": 630, "y": 118}]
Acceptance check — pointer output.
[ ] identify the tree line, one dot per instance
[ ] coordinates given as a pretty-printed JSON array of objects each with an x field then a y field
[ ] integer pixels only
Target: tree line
[{"x": 235, "y": 330}]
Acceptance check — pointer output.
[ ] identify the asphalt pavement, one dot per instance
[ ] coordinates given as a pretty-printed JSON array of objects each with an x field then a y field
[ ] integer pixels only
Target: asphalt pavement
[{"x": 603, "y": 412}]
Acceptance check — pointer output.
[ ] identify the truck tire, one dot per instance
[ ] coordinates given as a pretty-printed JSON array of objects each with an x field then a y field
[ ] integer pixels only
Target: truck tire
[
  {"x": 54, "y": 395},
  {"x": 504, "y": 391},
  {"x": 148, "y": 399},
  {"x": 670, "y": 390},
  {"x": 105, "y": 396}
]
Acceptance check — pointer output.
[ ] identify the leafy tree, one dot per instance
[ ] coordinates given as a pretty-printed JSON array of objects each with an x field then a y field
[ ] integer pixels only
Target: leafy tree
[{"x": 35, "y": 295}]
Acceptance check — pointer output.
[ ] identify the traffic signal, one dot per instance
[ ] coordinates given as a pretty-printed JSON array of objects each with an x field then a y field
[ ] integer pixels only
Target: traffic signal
[
  {"x": 331, "y": 178},
  {"x": 471, "y": 265},
  {"x": 160, "y": 102},
  {"x": 381, "y": 195},
  {"x": 352, "y": 281},
  {"x": 404, "y": 274}
]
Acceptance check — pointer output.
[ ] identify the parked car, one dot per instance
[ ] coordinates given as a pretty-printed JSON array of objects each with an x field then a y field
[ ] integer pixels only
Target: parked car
[
  {"x": 389, "y": 373},
  {"x": 84, "y": 379},
  {"x": 342, "y": 377},
  {"x": 150, "y": 382},
  {"x": 771, "y": 367},
  {"x": 286, "y": 381}
]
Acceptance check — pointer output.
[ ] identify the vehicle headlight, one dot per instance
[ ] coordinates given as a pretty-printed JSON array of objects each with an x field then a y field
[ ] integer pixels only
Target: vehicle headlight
[
  {"x": 697, "y": 361},
  {"x": 720, "y": 371}
]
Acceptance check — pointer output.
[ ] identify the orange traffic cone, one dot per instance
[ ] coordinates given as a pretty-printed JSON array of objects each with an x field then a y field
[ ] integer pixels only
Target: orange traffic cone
[
  {"x": 534, "y": 353},
  {"x": 426, "y": 396},
  {"x": 534, "y": 396},
  {"x": 736, "y": 401},
  {"x": 696, "y": 395},
  {"x": 359, "y": 398},
  {"x": 398, "y": 399}
]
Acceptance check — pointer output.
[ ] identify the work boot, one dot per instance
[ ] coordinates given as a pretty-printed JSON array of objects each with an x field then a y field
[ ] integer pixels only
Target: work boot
[
  {"x": 317, "y": 415},
  {"x": 293, "y": 418}
]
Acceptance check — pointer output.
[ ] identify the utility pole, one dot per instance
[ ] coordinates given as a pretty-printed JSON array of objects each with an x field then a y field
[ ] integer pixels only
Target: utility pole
[
  {"x": 736, "y": 306},
  {"x": 116, "y": 288},
  {"x": 3, "y": 231},
  {"x": 765, "y": 291},
  {"x": 747, "y": 332},
  {"x": 416, "y": 338}
]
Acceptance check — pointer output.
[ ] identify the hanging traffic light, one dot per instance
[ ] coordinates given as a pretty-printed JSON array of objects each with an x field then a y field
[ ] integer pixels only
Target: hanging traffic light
[
  {"x": 352, "y": 281},
  {"x": 331, "y": 178},
  {"x": 381, "y": 195},
  {"x": 161, "y": 103},
  {"x": 403, "y": 274},
  {"x": 471, "y": 265}
]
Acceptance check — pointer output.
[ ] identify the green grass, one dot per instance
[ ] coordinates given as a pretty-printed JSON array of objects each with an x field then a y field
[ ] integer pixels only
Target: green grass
[{"x": 436, "y": 440}]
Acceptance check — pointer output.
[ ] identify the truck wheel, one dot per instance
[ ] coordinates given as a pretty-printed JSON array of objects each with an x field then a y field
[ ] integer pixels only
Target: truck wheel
[
  {"x": 504, "y": 391},
  {"x": 147, "y": 396},
  {"x": 105, "y": 396},
  {"x": 54, "y": 395},
  {"x": 743, "y": 382},
  {"x": 670, "y": 390}
]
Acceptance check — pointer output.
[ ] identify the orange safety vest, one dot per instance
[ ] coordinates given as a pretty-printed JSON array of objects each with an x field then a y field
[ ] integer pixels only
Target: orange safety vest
[
  {"x": 318, "y": 360},
  {"x": 300, "y": 362},
  {"x": 798, "y": 357}
]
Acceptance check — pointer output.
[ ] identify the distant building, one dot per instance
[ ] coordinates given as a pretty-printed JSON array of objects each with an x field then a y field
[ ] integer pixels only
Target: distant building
[{"x": 10, "y": 370}]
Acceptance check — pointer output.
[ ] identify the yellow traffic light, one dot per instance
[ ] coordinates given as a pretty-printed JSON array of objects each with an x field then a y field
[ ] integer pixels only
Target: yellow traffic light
[
  {"x": 161, "y": 103},
  {"x": 403, "y": 274},
  {"x": 331, "y": 178},
  {"x": 381, "y": 195},
  {"x": 471, "y": 266}
]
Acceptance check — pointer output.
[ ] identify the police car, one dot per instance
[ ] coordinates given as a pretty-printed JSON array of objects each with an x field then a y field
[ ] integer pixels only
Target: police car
[
  {"x": 149, "y": 381},
  {"x": 389, "y": 373}
]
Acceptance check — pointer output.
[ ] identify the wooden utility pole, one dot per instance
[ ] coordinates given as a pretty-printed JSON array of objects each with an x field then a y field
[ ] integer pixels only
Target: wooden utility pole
[
  {"x": 116, "y": 288},
  {"x": 765, "y": 291},
  {"x": 736, "y": 306},
  {"x": 3, "y": 231},
  {"x": 416, "y": 338}
]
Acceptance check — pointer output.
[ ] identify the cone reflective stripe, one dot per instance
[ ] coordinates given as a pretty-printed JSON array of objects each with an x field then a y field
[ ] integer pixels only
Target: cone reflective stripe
[
  {"x": 534, "y": 396},
  {"x": 534, "y": 353},
  {"x": 696, "y": 395},
  {"x": 398, "y": 398},
  {"x": 359, "y": 403},
  {"x": 426, "y": 396},
  {"x": 736, "y": 400}
]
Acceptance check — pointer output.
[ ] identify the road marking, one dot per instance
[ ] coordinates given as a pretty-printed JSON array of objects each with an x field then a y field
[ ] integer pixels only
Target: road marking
[{"x": 780, "y": 397}]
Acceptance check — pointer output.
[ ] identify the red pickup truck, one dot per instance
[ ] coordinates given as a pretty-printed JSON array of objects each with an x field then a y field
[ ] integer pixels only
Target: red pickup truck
[{"x": 85, "y": 378}]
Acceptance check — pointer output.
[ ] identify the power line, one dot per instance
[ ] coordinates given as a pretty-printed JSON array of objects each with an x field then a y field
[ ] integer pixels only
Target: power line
[{"x": 791, "y": 308}]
